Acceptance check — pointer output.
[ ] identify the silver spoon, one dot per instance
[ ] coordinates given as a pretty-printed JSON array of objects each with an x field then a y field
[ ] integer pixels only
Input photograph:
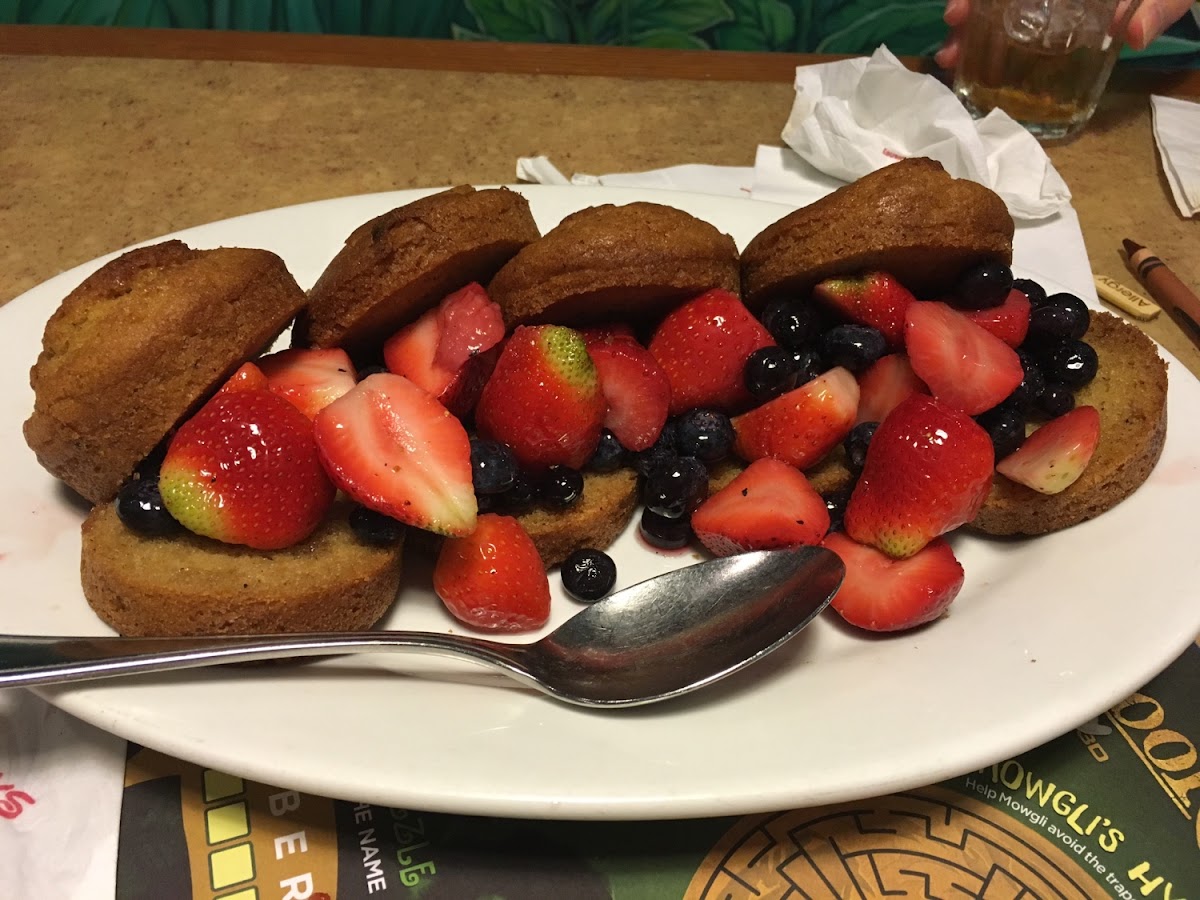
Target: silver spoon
[{"x": 658, "y": 639}]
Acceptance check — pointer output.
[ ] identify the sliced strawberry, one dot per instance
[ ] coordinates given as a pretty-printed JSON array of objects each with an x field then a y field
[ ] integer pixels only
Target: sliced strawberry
[
  {"x": 469, "y": 323},
  {"x": 884, "y": 594},
  {"x": 1009, "y": 321},
  {"x": 767, "y": 506},
  {"x": 964, "y": 366},
  {"x": 876, "y": 299},
  {"x": 245, "y": 470},
  {"x": 803, "y": 425},
  {"x": 248, "y": 377},
  {"x": 635, "y": 388},
  {"x": 1053, "y": 457},
  {"x": 882, "y": 386},
  {"x": 543, "y": 398},
  {"x": 703, "y": 346},
  {"x": 309, "y": 379},
  {"x": 928, "y": 470},
  {"x": 615, "y": 331},
  {"x": 395, "y": 449},
  {"x": 493, "y": 578},
  {"x": 450, "y": 351}
]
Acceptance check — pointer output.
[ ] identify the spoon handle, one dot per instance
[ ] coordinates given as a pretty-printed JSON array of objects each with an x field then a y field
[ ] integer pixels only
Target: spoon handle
[{"x": 26, "y": 661}]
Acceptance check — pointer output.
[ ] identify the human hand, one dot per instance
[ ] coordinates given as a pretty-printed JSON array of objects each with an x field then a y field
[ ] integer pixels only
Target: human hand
[{"x": 1150, "y": 20}]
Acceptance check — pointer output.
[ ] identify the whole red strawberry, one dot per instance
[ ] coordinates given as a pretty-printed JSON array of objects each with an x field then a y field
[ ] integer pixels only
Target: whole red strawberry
[
  {"x": 928, "y": 470},
  {"x": 703, "y": 346},
  {"x": 245, "y": 470},
  {"x": 876, "y": 299},
  {"x": 543, "y": 398},
  {"x": 493, "y": 578}
]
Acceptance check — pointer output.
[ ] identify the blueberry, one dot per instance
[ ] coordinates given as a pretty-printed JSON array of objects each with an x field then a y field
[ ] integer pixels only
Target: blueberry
[
  {"x": 983, "y": 286},
  {"x": 705, "y": 434},
  {"x": 560, "y": 487},
  {"x": 769, "y": 372},
  {"x": 1031, "y": 289},
  {"x": 140, "y": 507},
  {"x": 1060, "y": 316},
  {"x": 1074, "y": 363},
  {"x": 852, "y": 346},
  {"x": 791, "y": 322},
  {"x": 1056, "y": 399},
  {"x": 373, "y": 527},
  {"x": 609, "y": 454},
  {"x": 669, "y": 534},
  {"x": 856, "y": 444},
  {"x": 1005, "y": 425},
  {"x": 675, "y": 488},
  {"x": 663, "y": 450},
  {"x": 521, "y": 496},
  {"x": 835, "y": 503},
  {"x": 808, "y": 364},
  {"x": 493, "y": 466},
  {"x": 1026, "y": 394},
  {"x": 588, "y": 574}
]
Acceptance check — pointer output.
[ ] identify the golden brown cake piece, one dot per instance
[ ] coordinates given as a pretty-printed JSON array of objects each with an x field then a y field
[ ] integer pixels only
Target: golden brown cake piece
[
  {"x": 910, "y": 219},
  {"x": 608, "y": 501},
  {"x": 1130, "y": 392},
  {"x": 139, "y": 345},
  {"x": 398, "y": 265},
  {"x": 186, "y": 584},
  {"x": 615, "y": 263}
]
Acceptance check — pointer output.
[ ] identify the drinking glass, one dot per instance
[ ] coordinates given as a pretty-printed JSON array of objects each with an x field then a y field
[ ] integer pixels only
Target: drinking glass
[{"x": 1044, "y": 62}]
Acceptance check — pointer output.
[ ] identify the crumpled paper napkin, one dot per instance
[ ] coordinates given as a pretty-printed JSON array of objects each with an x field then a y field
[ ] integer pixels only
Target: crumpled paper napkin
[
  {"x": 60, "y": 802},
  {"x": 1177, "y": 133},
  {"x": 854, "y": 116}
]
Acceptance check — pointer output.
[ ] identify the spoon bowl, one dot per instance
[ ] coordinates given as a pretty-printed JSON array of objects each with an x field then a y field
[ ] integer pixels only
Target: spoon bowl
[{"x": 657, "y": 639}]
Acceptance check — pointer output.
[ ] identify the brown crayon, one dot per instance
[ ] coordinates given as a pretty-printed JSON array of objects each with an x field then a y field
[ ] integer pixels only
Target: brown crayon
[{"x": 1166, "y": 288}]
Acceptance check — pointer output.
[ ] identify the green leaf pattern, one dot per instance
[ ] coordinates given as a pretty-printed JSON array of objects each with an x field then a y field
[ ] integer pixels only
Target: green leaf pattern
[{"x": 828, "y": 26}]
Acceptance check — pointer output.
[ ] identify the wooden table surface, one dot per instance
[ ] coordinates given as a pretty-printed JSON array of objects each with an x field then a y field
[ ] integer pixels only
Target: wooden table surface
[{"x": 112, "y": 136}]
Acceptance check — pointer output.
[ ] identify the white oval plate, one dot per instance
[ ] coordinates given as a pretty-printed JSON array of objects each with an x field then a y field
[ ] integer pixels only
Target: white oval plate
[{"x": 1046, "y": 634}]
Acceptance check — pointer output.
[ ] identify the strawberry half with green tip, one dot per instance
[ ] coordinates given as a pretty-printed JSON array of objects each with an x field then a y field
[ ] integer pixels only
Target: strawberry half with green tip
[
  {"x": 768, "y": 506},
  {"x": 884, "y": 594},
  {"x": 393, "y": 448},
  {"x": 245, "y": 470},
  {"x": 543, "y": 398},
  {"x": 309, "y": 379},
  {"x": 928, "y": 470},
  {"x": 703, "y": 346},
  {"x": 1052, "y": 458},
  {"x": 876, "y": 299},
  {"x": 636, "y": 390},
  {"x": 801, "y": 426},
  {"x": 450, "y": 350},
  {"x": 493, "y": 578},
  {"x": 965, "y": 366}
]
